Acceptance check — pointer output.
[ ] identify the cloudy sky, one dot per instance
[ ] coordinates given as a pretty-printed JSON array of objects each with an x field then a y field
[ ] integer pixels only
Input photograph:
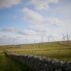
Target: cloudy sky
[{"x": 28, "y": 21}]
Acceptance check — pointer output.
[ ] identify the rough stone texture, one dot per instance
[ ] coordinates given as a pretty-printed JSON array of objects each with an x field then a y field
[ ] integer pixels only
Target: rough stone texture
[{"x": 41, "y": 64}]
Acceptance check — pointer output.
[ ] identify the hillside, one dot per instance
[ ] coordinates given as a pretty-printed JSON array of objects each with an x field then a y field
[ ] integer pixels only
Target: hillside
[{"x": 60, "y": 50}]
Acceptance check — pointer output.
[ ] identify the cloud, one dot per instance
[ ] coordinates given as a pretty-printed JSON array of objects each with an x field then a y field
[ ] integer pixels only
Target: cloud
[
  {"x": 40, "y": 25},
  {"x": 42, "y": 4},
  {"x": 55, "y": 20},
  {"x": 8, "y": 29},
  {"x": 63, "y": 10},
  {"x": 30, "y": 32},
  {"x": 32, "y": 16},
  {"x": 8, "y": 3},
  {"x": 11, "y": 36},
  {"x": 36, "y": 18}
]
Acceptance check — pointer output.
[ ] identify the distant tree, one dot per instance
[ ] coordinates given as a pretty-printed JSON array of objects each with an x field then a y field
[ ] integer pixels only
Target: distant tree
[
  {"x": 50, "y": 38},
  {"x": 63, "y": 37},
  {"x": 66, "y": 37}
]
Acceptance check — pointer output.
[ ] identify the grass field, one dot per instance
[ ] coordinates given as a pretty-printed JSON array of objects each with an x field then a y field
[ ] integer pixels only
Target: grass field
[{"x": 58, "y": 50}]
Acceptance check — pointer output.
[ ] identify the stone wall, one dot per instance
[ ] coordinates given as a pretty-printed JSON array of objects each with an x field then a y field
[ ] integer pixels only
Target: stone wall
[{"x": 41, "y": 64}]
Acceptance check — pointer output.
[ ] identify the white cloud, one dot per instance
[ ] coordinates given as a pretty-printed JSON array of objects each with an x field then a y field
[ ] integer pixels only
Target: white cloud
[
  {"x": 10, "y": 37},
  {"x": 30, "y": 32},
  {"x": 63, "y": 10},
  {"x": 42, "y": 4},
  {"x": 55, "y": 20},
  {"x": 8, "y": 29},
  {"x": 39, "y": 22},
  {"x": 42, "y": 26},
  {"x": 32, "y": 16},
  {"x": 8, "y": 3},
  {"x": 36, "y": 18},
  {"x": 14, "y": 37},
  {"x": 17, "y": 37},
  {"x": 28, "y": 36}
]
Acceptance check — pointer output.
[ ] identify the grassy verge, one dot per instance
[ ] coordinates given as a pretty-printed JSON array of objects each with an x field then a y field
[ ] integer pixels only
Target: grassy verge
[{"x": 7, "y": 64}]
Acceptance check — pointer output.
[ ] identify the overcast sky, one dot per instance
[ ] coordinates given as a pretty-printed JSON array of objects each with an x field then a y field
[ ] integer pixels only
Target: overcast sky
[{"x": 28, "y": 21}]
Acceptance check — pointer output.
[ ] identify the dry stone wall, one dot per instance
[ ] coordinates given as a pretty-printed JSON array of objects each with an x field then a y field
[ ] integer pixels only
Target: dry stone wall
[{"x": 41, "y": 64}]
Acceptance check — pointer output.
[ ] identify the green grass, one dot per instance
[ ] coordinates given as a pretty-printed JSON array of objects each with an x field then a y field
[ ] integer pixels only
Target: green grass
[
  {"x": 6, "y": 64},
  {"x": 58, "y": 50}
]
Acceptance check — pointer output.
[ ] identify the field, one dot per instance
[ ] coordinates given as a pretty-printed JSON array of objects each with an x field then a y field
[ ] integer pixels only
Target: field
[{"x": 58, "y": 50}]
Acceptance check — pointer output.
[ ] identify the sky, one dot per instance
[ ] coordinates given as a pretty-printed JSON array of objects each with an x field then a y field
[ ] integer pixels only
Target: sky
[{"x": 33, "y": 21}]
